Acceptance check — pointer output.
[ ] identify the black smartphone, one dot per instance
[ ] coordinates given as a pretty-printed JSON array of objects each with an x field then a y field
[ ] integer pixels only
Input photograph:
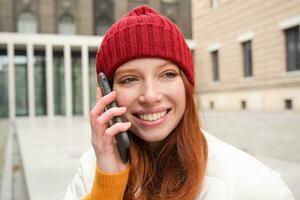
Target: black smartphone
[{"x": 122, "y": 139}]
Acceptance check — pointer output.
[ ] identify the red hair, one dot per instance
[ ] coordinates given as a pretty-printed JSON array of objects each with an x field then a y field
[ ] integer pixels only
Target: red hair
[{"x": 176, "y": 170}]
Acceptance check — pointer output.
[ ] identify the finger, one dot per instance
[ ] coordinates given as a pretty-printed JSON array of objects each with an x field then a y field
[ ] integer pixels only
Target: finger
[
  {"x": 98, "y": 93},
  {"x": 110, "y": 114},
  {"x": 117, "y": 128},
  {"x": 101, "y": 104}
]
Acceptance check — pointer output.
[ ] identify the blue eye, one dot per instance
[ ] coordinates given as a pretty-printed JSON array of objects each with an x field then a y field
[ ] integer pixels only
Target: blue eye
[{"x": 128, "y": 80}]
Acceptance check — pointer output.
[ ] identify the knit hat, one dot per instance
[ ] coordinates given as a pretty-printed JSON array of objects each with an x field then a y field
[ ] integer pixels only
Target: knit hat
[{"x": 143, "y": 33}]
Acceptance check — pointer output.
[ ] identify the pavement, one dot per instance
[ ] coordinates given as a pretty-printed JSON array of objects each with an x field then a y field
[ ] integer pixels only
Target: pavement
[
  {"x": 50, "y": 148},
  {"x": 4, "y": 129},
  {"x": 50, "y": 151}
]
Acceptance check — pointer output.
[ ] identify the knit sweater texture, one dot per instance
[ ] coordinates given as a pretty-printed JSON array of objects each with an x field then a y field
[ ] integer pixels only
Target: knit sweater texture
[{"x": 108, "y": 186}]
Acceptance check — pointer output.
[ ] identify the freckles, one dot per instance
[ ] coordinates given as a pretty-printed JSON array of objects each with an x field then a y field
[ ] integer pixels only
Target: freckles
[
  {"x": 120, "y": 100},
  {"x": 175, "y": 90},
  {"x": 123, "y": 99}
]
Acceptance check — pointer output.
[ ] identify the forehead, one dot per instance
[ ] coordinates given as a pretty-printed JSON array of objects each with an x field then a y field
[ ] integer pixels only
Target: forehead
[{"x": 144, "y": 65}]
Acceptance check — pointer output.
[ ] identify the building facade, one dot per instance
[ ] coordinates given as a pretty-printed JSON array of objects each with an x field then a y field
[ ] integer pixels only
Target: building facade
[
  {"x": 247, "y": 55},
  {"x": 48, "y": 49},
  {"x": 82, "y": 17}
]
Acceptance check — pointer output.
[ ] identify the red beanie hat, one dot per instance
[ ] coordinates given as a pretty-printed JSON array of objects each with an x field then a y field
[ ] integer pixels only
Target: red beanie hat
[{"x": 143, "y": 33}]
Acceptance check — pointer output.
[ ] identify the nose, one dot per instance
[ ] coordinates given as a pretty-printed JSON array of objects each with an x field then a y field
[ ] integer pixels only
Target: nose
[{"x": 150, "y": 94}]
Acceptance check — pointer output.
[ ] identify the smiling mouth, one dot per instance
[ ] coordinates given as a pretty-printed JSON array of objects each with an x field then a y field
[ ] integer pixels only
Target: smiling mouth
[{"x": 152, "y": 116}]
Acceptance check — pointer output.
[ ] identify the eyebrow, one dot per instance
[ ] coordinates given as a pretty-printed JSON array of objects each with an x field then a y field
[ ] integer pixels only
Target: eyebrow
[{"x": 121, "y": 71}]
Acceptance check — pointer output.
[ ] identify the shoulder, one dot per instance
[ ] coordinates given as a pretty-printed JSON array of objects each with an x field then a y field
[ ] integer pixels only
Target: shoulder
[
  {"x": 240, "y": 175},
  {"x": 83, "y": 178},
  {"x": 87, "y": 165}
]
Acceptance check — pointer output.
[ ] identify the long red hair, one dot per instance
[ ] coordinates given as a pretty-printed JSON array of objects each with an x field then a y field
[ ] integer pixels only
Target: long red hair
[{"x": 176, "y": 169}]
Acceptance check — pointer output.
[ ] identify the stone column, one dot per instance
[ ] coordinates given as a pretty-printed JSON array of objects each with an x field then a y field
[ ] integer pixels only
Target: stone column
[
  {"x": 85, "y": 79},
  {"x": 11, "y": 81},
  {"x": 68, "y": 79},
  {"x": 30, "y": 78},
  {"x": 49, "y": 80}
]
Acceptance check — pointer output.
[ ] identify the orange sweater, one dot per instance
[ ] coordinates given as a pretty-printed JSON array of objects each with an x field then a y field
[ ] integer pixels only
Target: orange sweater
[{"x": 108, "y": 186}]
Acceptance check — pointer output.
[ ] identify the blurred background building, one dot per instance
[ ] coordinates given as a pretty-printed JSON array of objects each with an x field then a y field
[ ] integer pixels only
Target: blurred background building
[
  {"x": 48, "y": 48},
  {"x": 248, "y": 54}
]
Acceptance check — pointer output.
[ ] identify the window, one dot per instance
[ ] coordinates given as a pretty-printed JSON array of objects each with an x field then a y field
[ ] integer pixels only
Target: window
[
  {"x": 211, "y": 105},
  {"x": 288, "y": 104},
  {"x": 103, "y": 24},
  {"x": 26, "y": 23},
  {"x": 66, "y": 25},
  {"x": 103, "y": 16},
  {"x": 134, "y": 3},
  {"x": 40, "y": 82},
  {"x": 243, "y": 105},
  {"x": 170, "y": 9},
  {"x": 21, "y": 92},
  {"x": 3, "y": 83},
  {"x": 92, "y": 78},
  {"x": 214, "y": 3},
  {"x": 168, "y": 1},
  {"x": 59, "y": 82},
  {"x": 77, "y": 94},
  {"x": 292, "y": 48},
  {"x": 247, "y": 54},
  {"x": 215, "y": 65}
]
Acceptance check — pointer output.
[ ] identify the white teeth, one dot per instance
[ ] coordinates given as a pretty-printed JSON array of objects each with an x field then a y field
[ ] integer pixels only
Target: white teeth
[{"x": 152, "y": 116}]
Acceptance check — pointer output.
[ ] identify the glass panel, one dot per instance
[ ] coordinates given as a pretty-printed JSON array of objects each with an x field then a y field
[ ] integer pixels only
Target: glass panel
[
  {"x": 27, "y": 23},
  {"x": 66, "y": 25},
  {"x": 214, "y": 3},
  {"x": 77, "y": 83},
  {"x": 170, "y": 10},
  {"x": 40, "y": 83},
  {"x": 169, "y": 1},
  {"x": 103, "y": 25},
  {"x": 21, "y": 92},
  {"x": 292, "y": 46},
  {"x": 298, "y": 50},
  {"x": 215, "y": 65},
  {"x": 247, "y": 59},
  {"x": 134, "y": 3},
  {"x": 103, "y": 15},
  {"x": 92, "y": 78},
  {"x": 3, "y": 83},
  {"x": 59, "y": 83}
]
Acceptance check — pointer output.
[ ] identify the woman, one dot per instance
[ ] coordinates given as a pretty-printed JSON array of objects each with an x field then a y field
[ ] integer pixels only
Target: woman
[{"x": 151, "y": 70}]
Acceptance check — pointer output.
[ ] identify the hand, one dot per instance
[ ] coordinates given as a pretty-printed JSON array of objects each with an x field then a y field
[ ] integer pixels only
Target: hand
[{"x": 107, "y": 154}]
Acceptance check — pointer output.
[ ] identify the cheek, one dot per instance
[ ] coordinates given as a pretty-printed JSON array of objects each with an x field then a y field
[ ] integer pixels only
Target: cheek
[
  {"x": 124, "y": 98},
  {"x": 177, "y": 94},
  {"x": 181, "y": 101}
]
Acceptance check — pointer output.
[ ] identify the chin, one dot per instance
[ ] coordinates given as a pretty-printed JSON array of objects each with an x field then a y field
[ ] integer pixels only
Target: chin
[
  {"x": 151, "y": 135},
  {"x": 153, "y": 138}
]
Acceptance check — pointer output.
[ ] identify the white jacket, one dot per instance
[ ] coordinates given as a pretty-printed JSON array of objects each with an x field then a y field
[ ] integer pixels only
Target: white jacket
[{"x": 231, "y": 174}]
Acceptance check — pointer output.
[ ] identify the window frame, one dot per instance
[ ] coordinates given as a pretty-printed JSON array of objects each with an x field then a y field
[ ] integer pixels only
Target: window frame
[
  {"x": 215, "y": 65},
  {"x": 247, "y": 58},
  {"x": 292, "y": 64},
  {"x": 22, "y": 26}
]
